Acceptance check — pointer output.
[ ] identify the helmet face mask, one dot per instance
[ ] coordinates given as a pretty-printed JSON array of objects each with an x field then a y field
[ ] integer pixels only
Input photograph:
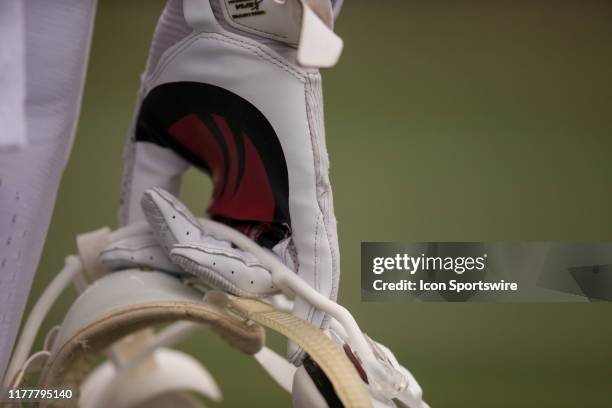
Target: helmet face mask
[{"x": 128, "y": 300}]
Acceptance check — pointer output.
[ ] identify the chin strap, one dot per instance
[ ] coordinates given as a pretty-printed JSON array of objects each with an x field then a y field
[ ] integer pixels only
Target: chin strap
[{"x": 332, "y": 360}]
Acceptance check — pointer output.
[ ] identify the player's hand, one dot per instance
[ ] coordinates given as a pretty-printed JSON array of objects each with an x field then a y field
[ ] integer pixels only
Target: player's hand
[{"x": 241, "y": 109}]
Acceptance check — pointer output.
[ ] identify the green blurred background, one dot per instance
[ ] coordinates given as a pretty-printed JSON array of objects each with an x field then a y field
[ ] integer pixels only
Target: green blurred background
[{"x": 445, "y": 121}]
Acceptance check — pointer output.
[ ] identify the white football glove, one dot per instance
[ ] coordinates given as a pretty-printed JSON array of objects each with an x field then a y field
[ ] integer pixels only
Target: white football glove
[{"x": 230, "y": 98}]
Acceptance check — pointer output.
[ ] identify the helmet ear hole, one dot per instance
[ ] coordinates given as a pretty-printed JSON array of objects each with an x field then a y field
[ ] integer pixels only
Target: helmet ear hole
[{"x": 305, "y": 393}]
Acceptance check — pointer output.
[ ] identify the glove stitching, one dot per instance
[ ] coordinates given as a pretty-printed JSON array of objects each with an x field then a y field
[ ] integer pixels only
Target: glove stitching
[
  {"x": 317, "y": 158},
  {"x": 311, "y": 94},
  {"x": 311, "y": 309},
  {"x": 255, "y": 49}
]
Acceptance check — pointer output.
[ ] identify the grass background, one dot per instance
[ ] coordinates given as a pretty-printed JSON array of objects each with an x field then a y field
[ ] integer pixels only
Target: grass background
[{"x": 446, "y": 121}]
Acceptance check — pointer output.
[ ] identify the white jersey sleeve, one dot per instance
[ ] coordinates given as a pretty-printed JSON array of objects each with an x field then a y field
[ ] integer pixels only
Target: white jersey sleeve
[{"x": 57, "y": 37}]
